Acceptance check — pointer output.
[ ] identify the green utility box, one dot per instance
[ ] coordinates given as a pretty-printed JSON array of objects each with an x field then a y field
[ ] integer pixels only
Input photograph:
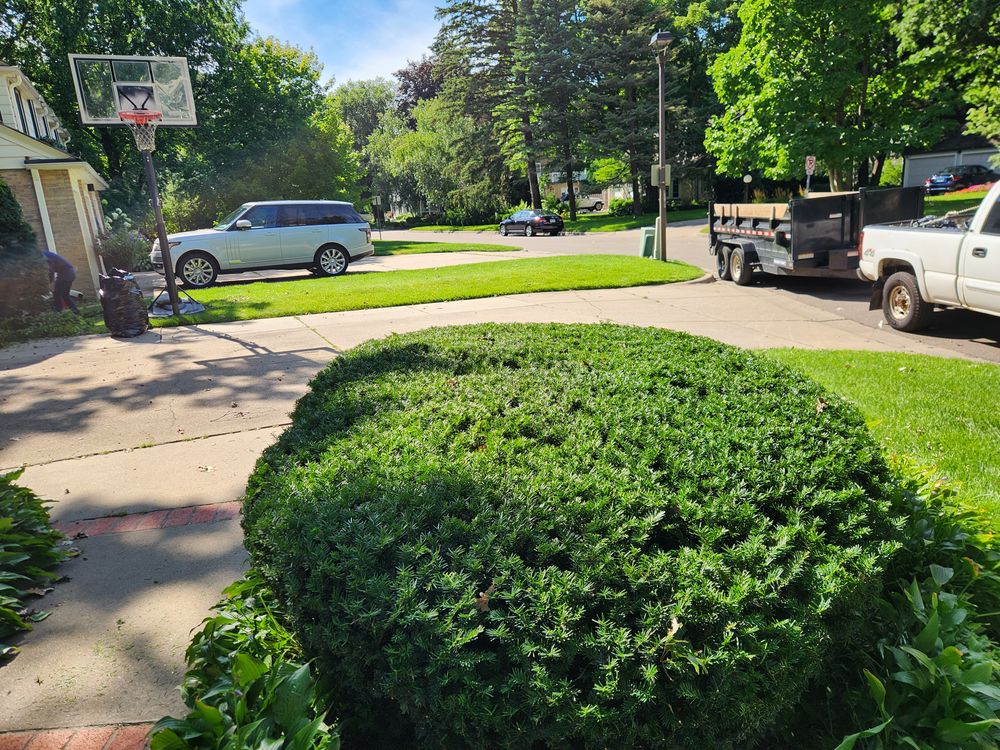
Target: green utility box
[{"x": 647, "y": 242}]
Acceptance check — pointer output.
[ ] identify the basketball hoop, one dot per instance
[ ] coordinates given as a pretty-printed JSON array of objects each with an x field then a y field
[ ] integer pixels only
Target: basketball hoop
[{"x": 142, "y": 123}]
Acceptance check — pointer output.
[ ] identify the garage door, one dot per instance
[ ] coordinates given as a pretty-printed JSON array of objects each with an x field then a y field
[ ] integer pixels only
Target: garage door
[{"x": 919, "y": 168}]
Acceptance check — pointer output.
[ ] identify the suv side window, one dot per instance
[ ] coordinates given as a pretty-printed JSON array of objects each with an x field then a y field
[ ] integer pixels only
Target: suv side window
[
  {"x": 262, "y": 217},
  {"x": 318, "y": 214},
  {"x": 291, "y": 216}
]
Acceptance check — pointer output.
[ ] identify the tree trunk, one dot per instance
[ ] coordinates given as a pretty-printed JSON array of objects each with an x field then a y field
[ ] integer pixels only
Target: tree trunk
[
  {"x": 570, "y": 187},
  {"x": 636, "y": 190},
  {"x": 110, "y": 149},
  {"x": 879, "y": 162},
  {"x": 529, "y": 143}
]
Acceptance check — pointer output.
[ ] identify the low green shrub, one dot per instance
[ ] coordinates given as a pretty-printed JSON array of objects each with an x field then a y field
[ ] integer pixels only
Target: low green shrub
[
  {"x": 23, "y": 273},
  {"x": 620, "y": 207},
  {"x": 569, "y": 536},
  {"x": 124, "y": 248},
  {"x": 30, "y": 551},
  {"x": 934, "y": 673},
  {"x": 50, "y": 324},
  {"x": 245, "y": 685}
]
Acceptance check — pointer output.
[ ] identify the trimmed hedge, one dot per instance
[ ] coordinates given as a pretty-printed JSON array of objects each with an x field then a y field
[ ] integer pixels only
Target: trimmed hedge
[{"x": 569, "y": 536}]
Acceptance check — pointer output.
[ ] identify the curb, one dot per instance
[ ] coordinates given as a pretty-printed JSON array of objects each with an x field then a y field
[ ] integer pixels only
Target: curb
[
  {"x": 191, "y": 515},
  {"x": 110, "y": 737}
]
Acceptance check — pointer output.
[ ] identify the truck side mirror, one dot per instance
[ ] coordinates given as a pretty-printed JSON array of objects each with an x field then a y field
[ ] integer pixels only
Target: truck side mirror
[{"x": 243, "y": 224}]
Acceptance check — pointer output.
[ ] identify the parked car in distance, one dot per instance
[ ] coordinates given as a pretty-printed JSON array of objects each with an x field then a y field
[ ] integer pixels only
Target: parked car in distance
[
  {"x": 593, "y": 202},
  {"x": 323, "y": 236},
  {"x": 531, "y": 222},
  {"x": 958, "y": 177}
]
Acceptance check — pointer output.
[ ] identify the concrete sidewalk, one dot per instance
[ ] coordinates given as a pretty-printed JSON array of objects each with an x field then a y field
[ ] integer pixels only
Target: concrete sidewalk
[{"x": 167, "y": 427}]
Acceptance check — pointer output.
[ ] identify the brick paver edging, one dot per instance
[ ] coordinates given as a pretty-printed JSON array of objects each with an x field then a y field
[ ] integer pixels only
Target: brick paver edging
[
  {"x": 157, "y": 519},
  {"x": 116, "y": 737}
]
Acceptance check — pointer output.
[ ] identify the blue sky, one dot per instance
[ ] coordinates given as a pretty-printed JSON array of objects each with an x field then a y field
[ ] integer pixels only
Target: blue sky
[{"x": 354, "y": 40}]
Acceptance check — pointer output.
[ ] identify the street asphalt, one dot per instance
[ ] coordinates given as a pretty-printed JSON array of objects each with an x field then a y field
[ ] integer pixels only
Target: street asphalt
[{"x": 173, "y": 421}]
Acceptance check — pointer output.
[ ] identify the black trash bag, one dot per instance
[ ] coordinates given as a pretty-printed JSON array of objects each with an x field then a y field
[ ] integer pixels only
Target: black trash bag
[{"x": 124, "y": 309}]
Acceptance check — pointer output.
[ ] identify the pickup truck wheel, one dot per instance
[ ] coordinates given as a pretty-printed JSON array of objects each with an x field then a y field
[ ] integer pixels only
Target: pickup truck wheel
[
  {"x": 903, "y": 307},
  {"x": 722, "y": 263},
  {"x": 739, "y": 269},
  {"x": 599, "y": 206}
]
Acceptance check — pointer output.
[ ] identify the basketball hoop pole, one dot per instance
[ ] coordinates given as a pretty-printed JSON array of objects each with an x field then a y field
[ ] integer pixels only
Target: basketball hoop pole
[
  {"x": 161, "y": 233},
  {"x": 142, "y": 123}
]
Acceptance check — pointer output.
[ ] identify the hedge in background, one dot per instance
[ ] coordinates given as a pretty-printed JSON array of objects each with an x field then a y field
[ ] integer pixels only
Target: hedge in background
[
  {"x": 29, "y": 553},
  {"x": 568, "y": 536}
]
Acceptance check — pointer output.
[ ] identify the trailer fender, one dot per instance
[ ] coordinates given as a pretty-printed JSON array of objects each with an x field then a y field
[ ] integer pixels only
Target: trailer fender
[{"x": 749, "y": 251}]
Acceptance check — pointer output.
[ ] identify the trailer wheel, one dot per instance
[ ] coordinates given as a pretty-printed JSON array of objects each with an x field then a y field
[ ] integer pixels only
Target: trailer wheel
[
  {"x": 739, "y": 269},
  {"x": 722, "y": 263},
  {"x": 903, "y": 307}
]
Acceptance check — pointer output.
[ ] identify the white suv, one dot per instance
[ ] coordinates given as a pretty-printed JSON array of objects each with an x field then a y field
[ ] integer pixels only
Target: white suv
[{"x": 323, "y": 236}]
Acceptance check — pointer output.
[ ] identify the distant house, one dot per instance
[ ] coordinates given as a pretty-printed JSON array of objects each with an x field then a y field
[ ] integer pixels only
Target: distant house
[
  {"x": 59, "y": 193},
  {"x": 955, "y": 150}
]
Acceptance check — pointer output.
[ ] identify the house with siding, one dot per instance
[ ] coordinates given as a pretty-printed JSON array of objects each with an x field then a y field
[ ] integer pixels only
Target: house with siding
[{"x": 60, "y": 194}]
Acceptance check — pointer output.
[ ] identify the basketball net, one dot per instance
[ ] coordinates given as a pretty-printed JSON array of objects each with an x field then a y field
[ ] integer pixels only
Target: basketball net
[{"x": 142, "y": 123}]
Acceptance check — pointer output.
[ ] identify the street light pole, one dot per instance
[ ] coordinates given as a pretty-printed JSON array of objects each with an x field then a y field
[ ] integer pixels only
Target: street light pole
[{"x": 659, "y": 42}]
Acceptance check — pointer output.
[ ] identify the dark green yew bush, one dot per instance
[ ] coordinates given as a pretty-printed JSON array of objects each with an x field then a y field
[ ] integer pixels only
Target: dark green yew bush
[{"x": 568, "y": 536}]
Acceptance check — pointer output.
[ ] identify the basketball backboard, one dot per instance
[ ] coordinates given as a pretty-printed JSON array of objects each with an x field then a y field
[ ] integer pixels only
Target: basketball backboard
[{"x": 109, "y": 84}]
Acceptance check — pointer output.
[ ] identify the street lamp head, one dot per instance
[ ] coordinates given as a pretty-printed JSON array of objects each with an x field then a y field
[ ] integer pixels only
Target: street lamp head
[
  {"x": 747, "y": 178},
  {"x": 661, "y": 40}
]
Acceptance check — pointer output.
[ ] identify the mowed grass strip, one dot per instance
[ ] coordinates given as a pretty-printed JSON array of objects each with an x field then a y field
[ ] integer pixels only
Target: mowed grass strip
[
  {"x": 402, "y": 247},
  {"x": 361, "y": 291},
  {"x": 936, "y": 411},
  {"x": 942, "y": 204},
  {"x": 587, "y": 223}
]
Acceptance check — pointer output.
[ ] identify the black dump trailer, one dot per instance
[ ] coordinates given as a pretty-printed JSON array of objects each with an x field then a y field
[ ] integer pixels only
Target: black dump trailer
[{"x": 815, "y": 236}]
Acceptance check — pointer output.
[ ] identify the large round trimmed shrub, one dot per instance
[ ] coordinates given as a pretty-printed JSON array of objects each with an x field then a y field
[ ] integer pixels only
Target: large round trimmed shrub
[{"x": 568, "y": 536}]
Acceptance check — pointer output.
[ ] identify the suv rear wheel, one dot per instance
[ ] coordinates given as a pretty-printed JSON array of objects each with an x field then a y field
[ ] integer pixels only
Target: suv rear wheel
[
  {"x": 197, "y": 270},
  {"x": 331, "y": 261}
]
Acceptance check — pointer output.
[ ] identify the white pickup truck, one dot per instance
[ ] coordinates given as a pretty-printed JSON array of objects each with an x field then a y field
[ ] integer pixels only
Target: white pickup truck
[{"x": 952, "y": 261}]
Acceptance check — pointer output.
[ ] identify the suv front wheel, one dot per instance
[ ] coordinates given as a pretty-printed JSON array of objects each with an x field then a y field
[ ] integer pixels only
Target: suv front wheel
[
  {"x": 331, "y": 261},
  {"x": 197, "y": 270}
]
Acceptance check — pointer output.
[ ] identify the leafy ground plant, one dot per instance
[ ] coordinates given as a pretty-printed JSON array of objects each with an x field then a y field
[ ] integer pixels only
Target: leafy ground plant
[
  {"x": 933, "y": 674},
  {"x": 30, "y": 551},
  {"x": 246, "y": 686},
  {"x": 569, "y": 536}
]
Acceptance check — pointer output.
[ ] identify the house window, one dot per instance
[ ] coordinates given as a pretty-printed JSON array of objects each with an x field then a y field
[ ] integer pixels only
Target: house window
[
  {"x": 34, "y": 119},
  {"x": 45, "y": 128},
  {"x": 20, "y": 111}
]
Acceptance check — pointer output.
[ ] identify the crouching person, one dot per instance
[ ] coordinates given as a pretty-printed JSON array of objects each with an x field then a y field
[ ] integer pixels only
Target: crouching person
[{"x": 62, "y": 272}]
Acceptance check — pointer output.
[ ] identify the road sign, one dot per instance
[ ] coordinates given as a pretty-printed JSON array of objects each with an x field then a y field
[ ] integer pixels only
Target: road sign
[
  {"x": 109, "y": 84},
  {"x": 656, "y": 179},
  {"x": 810, "y": 165}
]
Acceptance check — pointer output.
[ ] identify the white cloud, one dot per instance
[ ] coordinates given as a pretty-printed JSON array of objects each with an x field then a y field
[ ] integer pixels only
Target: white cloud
[{"x": 354, "y": 40}]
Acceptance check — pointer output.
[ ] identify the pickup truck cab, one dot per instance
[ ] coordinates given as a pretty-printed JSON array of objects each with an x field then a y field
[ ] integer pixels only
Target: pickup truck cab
[{"x": 952, "y": 261}]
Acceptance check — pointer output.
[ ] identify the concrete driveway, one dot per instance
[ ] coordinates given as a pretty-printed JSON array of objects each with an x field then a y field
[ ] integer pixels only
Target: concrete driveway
[{"x": 154, "y": 437}]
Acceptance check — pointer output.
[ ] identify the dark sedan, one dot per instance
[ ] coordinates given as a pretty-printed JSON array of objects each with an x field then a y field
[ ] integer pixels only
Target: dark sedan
[
  {"x": 956, "y": 178},
  {"x": 532, "y": 222}
]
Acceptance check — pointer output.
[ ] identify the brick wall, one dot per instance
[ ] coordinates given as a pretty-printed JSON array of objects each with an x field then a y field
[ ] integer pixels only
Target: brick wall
[
  {"x": 24, "y": 191},
  {"x": 66, "y": 229}
]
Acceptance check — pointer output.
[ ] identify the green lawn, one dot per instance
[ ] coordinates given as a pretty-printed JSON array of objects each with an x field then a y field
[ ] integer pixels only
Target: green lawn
[
  {"x": 399, "y": 247},
  {"x": 941, "y": 204},
  {"x": 942, "y": 412},
  {"x": 586, "y": 222},
  {"x": 358, "y": 291}
]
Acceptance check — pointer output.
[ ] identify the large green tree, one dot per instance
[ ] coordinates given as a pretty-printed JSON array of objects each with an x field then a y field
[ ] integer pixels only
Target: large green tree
[
  {"x": 955, "y": 46},
  {"x": 811, "y": 77},
  {"x": 477, "y": 54},
  {"x": 37, "y": 36}
]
